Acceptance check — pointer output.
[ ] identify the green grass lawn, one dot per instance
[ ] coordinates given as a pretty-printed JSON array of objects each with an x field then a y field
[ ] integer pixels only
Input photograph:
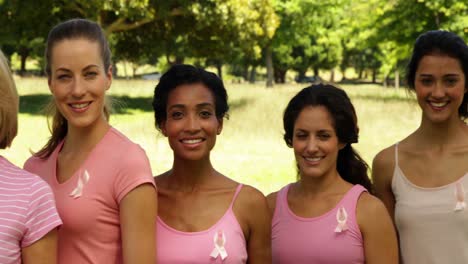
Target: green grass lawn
[{"x": 250, "y": 149}]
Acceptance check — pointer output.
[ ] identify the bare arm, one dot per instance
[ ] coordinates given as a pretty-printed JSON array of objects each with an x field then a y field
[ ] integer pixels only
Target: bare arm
[
  {"x": 380, "y": 241},
  {"x": 43, "y": 251},
  {"x": 382, "y": 174},
  {"x": 138, "y": 210},
  {"x": 254, "y": 209},
  {"x": 271, "y": 199}
]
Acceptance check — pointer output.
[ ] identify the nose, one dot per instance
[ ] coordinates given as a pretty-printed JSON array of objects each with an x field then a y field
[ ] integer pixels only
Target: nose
[
  {"x": 78, "y": 88},
  {"x": 193, "y": 124},
  {"x": 439, "y": 90},
  {"x": 312, "y": 145}
]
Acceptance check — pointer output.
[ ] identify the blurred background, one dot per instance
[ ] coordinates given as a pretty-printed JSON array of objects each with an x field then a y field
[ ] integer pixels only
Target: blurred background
[{"x": 264, "y": 50}]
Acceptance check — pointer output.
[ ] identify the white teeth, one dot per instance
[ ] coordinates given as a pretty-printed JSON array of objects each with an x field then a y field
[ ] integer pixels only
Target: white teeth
[
  {"x": 441, "y": 104},
  {"x": 192, "y": 141},
  {"x": 78, "y": 106},
  {"x": 313, "y": 159}
]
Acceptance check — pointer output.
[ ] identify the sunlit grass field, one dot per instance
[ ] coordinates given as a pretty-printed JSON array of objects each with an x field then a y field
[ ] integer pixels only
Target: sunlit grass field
[{"x": 250, "y": 149}]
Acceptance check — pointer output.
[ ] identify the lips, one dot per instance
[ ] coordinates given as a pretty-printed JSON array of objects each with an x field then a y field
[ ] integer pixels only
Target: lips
[
  {"x": 79, "y": 105},
  {"x": 438, "y": 104},
  {"x": 192, "y": 141}
]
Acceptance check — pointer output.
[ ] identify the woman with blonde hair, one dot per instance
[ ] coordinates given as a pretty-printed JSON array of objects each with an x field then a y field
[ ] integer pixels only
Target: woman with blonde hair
[
  {"x": 28, "y": 217},
  {"x": 102, "y": 181}
]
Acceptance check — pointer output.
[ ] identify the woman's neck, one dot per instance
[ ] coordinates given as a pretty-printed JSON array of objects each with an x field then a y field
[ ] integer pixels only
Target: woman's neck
[
  {"x": 84, "y": 139},
  {"x": 188, "y": 175},
  {"x": 313, "y": 186},
  {"x": 441, "y": 134}
]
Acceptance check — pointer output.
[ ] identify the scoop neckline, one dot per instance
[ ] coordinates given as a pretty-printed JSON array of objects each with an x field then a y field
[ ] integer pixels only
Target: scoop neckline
[
  {"x": 209, "y": 229},
  {"x": 315, "y": 218},
  {"x": 437, "y": 188}
]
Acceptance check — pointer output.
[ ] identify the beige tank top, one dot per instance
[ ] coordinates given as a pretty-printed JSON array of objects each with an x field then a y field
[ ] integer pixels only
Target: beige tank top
[{"x": 432, "y": 223}]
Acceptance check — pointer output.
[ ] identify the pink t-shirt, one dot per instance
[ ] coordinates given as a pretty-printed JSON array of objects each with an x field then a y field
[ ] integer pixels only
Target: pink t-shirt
[
  {"x": 27, "y": 211},
  {"x": 319, "y": 239},
  {"x": 203, "y": 247},
  {"x": 88, "y": 202}
]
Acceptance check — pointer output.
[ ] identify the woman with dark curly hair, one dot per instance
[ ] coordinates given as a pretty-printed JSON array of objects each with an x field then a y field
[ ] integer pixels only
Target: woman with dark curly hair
[{"x": 204, "y": 216}]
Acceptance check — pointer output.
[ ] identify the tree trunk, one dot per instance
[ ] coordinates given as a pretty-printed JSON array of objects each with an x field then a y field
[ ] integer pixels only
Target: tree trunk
[
  {"x": 374, "y": 75},
  {"x": 24, "y": 53},
  {"x": 253, "y": 73},
  {"x": 124, "y": 62},
  {"x": 245, "y": 72},
  {"x": 219, "y": 68},
  {"x": 360, "y": 74},
  {"x": 332, "y": 75},
  {"x": 280, "y": 75},
  {"x": 316, "y": 71},
  {"x": 343, "y": 71},
  {"x": 269, "y": 66},
  {"x": 397, "y": 79}
]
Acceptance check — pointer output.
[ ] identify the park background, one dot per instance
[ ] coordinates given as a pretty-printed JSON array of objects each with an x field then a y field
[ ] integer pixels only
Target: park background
[{"x": 264, "y": 50}]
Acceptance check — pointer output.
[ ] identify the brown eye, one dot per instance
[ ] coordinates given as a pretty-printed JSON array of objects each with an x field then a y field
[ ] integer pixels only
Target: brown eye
[{"x": 176, "y": 115}]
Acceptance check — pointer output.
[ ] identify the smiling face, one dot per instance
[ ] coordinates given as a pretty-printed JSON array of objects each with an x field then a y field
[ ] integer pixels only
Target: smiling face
[
  {"x": 440, "y": 87},
  {"x": 78, "y": 82},
  {"x": 191, "y": 125},
  {"x": 315, "y": 142}
]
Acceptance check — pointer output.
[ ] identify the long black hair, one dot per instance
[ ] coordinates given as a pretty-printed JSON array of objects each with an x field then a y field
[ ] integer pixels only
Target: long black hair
[
  {"x": 444, "y": 43},
  {"x": 351, "y": 167}
]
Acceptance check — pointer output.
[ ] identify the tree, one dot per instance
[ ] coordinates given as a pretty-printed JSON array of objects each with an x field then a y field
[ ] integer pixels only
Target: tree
[{"x": 309, "y": 36}]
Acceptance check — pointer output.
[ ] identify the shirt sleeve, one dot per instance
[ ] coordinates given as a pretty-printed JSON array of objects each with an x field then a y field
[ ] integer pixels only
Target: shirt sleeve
[
  {"x": 42, "y": 216},
  {"x": 134, "y": 170}
]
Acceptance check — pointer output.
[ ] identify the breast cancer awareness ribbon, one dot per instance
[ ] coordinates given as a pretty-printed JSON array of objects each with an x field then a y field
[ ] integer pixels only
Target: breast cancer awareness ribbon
[
  {"x": 341, "y": 218},
  {"x": 219, "y": 240},
  {"x": 82, "y": 180},
  {"x": 460, "y": 197}
]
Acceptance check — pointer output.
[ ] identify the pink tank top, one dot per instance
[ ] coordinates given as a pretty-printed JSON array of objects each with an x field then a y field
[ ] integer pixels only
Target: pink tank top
[
  {"x": 224, "y": 242},
  {"x": 333, "y": 237}
]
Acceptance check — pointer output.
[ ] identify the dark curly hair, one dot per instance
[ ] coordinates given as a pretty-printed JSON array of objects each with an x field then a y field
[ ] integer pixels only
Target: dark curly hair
[{"x": 187, "y": 74}]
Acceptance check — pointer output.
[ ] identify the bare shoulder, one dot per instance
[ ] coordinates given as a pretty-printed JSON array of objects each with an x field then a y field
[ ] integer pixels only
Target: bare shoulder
[
  {"x": 383, "y": 166},
  {"x": 369, "y": 209},
  {"x": 251, "y": 197},
  {"x": 248, "y": 201},
  {"x": 385, "y": 159},
  {"x": 271, "y": 200}
]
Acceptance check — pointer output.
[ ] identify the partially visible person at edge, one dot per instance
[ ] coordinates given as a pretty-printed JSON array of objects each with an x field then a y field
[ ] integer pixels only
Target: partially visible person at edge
[
  {"x": 422, "y": 179},
  {"x": 28, "y": 217},
  {"x": 328, "y": 215},
  {"x": 101, "y": 180},
  {"x": 204, "y": 216}
]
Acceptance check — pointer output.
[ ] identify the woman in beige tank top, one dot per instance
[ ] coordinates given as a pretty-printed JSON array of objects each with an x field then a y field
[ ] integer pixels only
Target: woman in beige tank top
[{"x": 422, "y": 179}]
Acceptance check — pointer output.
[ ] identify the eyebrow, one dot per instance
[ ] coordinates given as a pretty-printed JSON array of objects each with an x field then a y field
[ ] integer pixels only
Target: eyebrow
[
  {"x": 446, "y": 75},
  {"x": 86, "y": 68},
  {"x": 201, "y": 105}
]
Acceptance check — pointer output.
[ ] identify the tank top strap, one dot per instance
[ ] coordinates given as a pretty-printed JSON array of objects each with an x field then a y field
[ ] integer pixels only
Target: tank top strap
[
  {"x": 351, "y": 198},
  {"x": 396, "y": 154},
  {"x": 282, "y": 200},
  {"x": 238, "y": 189}
]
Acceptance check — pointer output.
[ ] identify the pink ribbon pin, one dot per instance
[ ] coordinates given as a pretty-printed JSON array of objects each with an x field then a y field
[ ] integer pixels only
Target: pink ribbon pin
[
  {"x": 460, "y": 197},
  {"x": 341, "y": 218},
  {"x": 219, "y": 240},
  {"x": 82, "y": 180}
]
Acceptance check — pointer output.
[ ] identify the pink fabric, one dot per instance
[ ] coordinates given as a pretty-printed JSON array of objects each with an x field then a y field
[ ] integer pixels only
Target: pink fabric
[
  {"x": 319, "y": 239},
  {"x": 177, "y": 247},
  {"x": 90, "y": 214},
  {"x": 27, "y": 211}
]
